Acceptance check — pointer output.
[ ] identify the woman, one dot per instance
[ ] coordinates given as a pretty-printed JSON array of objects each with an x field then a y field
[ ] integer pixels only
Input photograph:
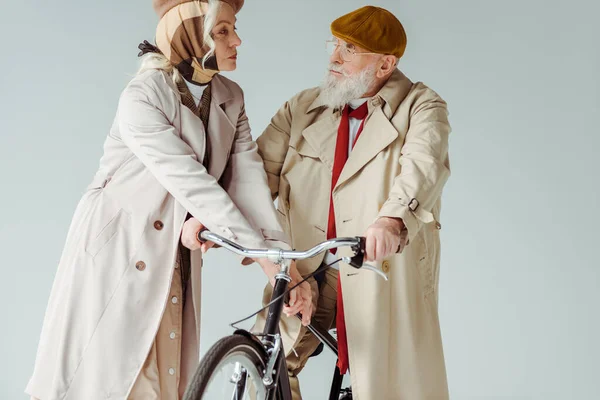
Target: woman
[{"x": 122, "y": 320}]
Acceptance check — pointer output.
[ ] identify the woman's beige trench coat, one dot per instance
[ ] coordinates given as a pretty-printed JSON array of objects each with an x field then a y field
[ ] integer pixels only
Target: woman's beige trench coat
[{"x": 114, "y": 275}]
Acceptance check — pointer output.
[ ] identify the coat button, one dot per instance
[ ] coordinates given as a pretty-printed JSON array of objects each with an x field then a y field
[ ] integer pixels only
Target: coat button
[
  {"x": 140, "y": 265},
  {"x": 158, "y": 225},
  {"x": 385, "y": 266}
]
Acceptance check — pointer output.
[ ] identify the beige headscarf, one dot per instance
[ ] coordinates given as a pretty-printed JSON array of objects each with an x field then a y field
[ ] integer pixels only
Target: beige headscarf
[{"x": 179, "y": 37}]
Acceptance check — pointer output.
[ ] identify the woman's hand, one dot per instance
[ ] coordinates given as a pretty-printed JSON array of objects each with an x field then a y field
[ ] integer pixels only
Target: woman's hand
[
  {"x": 303, "y": 298},
  {"x": 300, "y": 297},
  {"x": 189, "y": 236}
]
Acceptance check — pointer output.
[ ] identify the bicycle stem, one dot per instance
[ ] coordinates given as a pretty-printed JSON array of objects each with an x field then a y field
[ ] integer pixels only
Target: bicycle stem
[{"x": 275, "y": 310}]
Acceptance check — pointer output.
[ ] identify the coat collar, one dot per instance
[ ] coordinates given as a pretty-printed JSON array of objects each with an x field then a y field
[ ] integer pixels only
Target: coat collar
[
  {"x": 220, "y": 92},
  {"x": 378, "y": 131},
  {"x": 221, "y": 125}
]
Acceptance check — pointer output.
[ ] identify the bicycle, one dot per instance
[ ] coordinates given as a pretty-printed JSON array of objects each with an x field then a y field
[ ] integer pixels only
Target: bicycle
[{"x": 254, "y": 364}]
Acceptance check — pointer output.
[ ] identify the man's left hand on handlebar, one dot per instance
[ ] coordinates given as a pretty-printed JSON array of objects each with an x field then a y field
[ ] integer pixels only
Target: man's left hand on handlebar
[{"x": 384, "y": 238}]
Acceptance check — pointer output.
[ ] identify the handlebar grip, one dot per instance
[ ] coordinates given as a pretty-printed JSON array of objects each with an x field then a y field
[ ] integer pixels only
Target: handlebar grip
[{"x": 359, "y": 257}]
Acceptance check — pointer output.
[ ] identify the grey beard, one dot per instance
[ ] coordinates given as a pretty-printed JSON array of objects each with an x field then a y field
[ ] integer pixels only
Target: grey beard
[{"x": 336, "y": 93}]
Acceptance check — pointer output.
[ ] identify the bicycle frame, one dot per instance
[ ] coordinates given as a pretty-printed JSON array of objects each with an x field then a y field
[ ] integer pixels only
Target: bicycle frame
[
  {"x": 280, "y": 383},
  {"x": 279, "y": 380}
]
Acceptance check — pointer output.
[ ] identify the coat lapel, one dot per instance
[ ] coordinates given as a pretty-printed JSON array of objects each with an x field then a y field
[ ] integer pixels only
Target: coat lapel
[
  {"x": 221, "y": 132},
  {"x": 221, "y": 129},
  {"x": 377, "y": 134}
]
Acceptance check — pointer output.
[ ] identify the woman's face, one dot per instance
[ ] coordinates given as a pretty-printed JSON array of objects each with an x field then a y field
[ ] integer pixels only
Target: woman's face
[{"x": 226, "y": 39}]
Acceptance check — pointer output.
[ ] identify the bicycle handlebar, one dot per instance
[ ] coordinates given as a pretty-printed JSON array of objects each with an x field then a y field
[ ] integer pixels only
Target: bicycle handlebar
[{"x": 356, "y": 243}]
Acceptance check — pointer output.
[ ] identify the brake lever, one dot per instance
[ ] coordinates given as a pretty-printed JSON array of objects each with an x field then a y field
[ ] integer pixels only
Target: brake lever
[
  {"x": 367, "y": 267},
  {"x": 376, "y": 270},
  {"x": 357, "y": 261},
  {"x": 359, "y": 253}
]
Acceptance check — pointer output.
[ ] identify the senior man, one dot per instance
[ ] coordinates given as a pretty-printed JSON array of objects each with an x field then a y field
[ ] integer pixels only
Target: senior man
[{"x": 366, "y": 153}]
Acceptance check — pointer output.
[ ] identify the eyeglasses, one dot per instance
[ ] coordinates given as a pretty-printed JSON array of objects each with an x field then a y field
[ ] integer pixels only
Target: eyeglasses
[{"x": 347, "y": 50}]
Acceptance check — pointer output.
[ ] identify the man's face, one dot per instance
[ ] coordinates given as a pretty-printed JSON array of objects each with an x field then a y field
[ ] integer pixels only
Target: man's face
[
  {"x": 348, "y": 59},
  {"x": 351, "y": 74}
]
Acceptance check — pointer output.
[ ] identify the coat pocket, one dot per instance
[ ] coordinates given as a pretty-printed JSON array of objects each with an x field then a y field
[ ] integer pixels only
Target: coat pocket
[
  {"x": 110, "y": 252},
  {"x": 108, "y": 233},
  {"x": 425, "y": 264}
]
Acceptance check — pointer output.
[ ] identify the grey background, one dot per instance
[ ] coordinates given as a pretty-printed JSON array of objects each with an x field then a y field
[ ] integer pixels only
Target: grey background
[{"x": 519, "y": 281}]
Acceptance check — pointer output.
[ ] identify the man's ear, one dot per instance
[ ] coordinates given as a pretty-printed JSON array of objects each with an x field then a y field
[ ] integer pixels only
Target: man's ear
[{"x": 388, "y": 64}]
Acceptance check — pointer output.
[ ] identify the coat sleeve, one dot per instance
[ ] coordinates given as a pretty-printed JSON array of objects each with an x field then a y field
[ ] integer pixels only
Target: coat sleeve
[
  {"x": 148, "y": 133},
  {"x": 246, "y": 183},
  {"x": 273, "y": 145},
  {"x": 425, "y": 166}
]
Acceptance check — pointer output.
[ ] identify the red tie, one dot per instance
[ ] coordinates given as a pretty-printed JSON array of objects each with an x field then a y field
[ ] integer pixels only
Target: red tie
[{"x": 341, "y": 155}]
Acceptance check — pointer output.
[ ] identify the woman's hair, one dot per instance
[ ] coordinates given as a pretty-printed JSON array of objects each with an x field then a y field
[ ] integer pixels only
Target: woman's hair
[
  {"x": 159, "y": 61},
  {"x": 210, "y": 19}
]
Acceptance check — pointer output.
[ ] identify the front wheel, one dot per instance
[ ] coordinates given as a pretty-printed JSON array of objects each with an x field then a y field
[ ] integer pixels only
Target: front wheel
[{"x": 232, "y": 369}]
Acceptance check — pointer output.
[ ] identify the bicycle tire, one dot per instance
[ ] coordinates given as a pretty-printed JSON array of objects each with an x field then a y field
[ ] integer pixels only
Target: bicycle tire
[{"x": 220, "y": 351}]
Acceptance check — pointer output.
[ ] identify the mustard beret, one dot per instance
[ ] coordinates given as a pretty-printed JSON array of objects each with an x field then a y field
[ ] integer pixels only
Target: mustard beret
[
  {"x": 162, "y": 6},
  {"x": 373, "y": 28}
]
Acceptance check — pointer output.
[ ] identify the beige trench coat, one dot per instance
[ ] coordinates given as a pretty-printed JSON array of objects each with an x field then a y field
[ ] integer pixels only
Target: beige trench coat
[
  {"x": 114, "y": 275},
  {"x": 397, "y": 169}
]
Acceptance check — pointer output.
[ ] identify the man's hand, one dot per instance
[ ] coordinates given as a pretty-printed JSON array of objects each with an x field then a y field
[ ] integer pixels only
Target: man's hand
[
  {"x": 189, "y": 236},
  {"x": 300, "y": 297},
  {"x": 383, "y": 238}
]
